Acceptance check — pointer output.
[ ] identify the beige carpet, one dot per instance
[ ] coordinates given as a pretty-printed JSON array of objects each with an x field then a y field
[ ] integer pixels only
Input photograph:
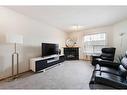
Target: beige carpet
[{"x": 68, "y": 75}]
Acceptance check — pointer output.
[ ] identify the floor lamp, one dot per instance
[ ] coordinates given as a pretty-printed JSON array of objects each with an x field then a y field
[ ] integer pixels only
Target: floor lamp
[{"x": 15, "y": 39}]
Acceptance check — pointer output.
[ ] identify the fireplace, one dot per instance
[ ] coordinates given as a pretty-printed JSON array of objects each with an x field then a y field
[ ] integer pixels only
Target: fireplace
[{"x": 71, "y": 53}]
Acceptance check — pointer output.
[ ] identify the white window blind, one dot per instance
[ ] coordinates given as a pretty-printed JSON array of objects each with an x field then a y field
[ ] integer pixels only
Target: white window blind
[{"x": 93, "y": 43}]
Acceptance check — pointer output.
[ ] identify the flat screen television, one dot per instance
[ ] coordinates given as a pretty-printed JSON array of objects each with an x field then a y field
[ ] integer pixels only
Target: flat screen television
[{"x": 49, "y": 49}]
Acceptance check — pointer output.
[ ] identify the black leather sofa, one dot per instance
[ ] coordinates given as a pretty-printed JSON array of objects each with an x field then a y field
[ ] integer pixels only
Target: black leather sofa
[
  {"x": 107, "y": 54},
  {"x": 111, "y": 74}
]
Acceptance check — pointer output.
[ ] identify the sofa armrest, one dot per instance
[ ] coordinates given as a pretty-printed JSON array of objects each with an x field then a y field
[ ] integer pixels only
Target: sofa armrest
[
  {"x": 95, "y": 56},
  {"x": 108, "y": 64}
]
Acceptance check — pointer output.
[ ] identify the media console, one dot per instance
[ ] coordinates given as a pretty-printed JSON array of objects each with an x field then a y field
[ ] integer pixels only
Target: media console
[{"x": 41, "y": 63}]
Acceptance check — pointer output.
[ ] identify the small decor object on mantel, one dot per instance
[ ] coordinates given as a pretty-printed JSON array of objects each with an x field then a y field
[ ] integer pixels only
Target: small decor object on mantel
[{"x": 70, "y": 43}]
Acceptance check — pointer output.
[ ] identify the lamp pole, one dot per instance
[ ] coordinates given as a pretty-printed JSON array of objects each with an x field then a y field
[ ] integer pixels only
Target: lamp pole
[{"x": 17, "y": 60}]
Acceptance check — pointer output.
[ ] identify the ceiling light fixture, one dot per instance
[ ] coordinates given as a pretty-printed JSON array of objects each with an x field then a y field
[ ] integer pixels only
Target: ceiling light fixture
[{"x": 76, "y": 28}]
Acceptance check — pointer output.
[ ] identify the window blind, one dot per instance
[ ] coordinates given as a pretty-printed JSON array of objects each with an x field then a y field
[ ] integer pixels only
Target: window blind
[{"x": 93, "y": 43}]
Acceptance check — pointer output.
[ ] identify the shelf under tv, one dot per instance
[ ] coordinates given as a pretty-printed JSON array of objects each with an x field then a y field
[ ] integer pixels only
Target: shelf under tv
[{"x": 41, "y": 63}]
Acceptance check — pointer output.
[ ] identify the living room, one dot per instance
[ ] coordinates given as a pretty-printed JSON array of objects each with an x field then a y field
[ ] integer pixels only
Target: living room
[{"x": 67, "y": 27}]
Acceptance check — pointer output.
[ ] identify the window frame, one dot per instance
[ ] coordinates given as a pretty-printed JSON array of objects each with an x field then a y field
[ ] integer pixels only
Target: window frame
[{"x": 96, "y": 40}]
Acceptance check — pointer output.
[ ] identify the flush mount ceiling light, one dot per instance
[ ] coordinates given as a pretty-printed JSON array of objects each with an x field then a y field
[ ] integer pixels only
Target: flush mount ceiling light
[{"x": 76, "y": 28}]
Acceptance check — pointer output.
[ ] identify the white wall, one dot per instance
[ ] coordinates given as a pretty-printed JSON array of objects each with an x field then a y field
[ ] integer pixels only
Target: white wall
[
  {"x": 34, "y": 33},
  {"x": 79, "y": 36},
  {"x": 120, "y": 42}
]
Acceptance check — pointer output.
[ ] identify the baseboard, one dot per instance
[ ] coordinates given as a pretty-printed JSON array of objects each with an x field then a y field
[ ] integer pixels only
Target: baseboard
[{"x": 11, "y": 76}]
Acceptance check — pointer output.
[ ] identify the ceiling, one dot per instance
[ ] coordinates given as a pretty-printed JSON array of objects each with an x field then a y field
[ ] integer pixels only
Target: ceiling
[{"x": 64, "y": 17}]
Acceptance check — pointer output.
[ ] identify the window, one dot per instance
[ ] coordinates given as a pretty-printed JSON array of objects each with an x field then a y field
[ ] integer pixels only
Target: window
[{"x": 95, "y": 42}]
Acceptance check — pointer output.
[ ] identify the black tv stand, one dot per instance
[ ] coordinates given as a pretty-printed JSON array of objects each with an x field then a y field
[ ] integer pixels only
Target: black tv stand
[{"x": 41, "y": 63}]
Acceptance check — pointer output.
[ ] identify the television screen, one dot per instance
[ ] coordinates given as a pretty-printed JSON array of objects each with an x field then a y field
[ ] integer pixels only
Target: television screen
[{"x": 49, "y": 49}]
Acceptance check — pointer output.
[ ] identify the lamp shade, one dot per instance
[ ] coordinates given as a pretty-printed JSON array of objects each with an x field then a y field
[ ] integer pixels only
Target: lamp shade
[{"x": 14, "y": 38}]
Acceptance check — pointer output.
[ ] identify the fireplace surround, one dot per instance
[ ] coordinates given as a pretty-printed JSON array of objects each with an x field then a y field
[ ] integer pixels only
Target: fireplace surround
[{"x": 71, "y": 53}]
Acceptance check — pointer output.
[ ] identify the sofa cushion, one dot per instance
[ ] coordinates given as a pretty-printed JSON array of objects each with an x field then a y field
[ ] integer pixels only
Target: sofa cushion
[
  {"x": 110, "y": 70},
  {"x": 111, "y": 80},
  {"x": 106, "y": 69},
  {"x": 106, "y": 55},
  {"x": 124, "y": 62},
  {"x": 122, "y": 71},
  {"x": 108, "y": 50},
  {"x": 97, "y": 67}
]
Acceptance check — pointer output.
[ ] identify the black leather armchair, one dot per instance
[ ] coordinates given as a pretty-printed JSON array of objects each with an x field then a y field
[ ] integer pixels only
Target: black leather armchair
[
  {"x": 107, "y": 54},
  {"x": 111, "y": 74}
]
